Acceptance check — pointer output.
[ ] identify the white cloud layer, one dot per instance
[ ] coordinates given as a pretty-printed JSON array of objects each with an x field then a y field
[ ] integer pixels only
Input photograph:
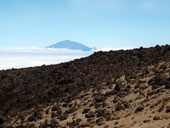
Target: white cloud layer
[
  {"x": 113, "y": 49},
  {"x": 28, "y": 57}
]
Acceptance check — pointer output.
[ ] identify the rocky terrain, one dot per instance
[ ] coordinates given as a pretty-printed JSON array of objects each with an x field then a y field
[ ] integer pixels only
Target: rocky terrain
[{"x": 116, "y": 89}]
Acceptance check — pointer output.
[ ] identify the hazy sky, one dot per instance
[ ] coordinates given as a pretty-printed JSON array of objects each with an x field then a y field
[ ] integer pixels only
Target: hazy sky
[{"x": 100, "y": 23}]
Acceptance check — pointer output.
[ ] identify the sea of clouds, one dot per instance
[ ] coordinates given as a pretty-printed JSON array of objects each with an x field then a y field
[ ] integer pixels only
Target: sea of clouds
[
  {"x": 29, "y": 57},
  {"x": 22, "y": 57}
]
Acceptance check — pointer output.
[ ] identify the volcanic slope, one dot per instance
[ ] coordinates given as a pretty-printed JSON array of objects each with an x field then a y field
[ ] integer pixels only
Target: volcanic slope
[{"x": 116, "y": 89}]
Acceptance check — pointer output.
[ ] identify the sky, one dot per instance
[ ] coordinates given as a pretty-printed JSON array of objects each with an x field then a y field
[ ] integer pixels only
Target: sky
[{"x": 95, "y": 23}]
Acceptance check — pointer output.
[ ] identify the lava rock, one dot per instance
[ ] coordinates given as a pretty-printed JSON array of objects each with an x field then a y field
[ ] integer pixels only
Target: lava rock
[
  {"x": 168, "y": 109},
  {"x": 85, "y": 111},
  {"x": 139, "y": 109},
  {"x": 167, "y": 85},
  {"x": 1, "y": 120},
  {"x": 100, "y": 121},
  {"x": 156, "y": 118},
  {"x": 99, "y": 98},
  {"x": 31, "y": 118},
  {"x": 90, "y": 115}
]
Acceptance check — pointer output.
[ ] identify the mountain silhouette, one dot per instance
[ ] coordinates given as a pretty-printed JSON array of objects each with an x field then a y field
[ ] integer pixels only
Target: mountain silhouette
[{"x": 70, "y": 45}]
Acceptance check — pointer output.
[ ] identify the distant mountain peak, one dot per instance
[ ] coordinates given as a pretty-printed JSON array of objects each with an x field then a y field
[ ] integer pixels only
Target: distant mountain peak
[{"x": 70, "y": 45}]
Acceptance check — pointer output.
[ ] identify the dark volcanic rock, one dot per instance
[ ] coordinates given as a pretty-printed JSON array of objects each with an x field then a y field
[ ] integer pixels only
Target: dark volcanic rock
[
  {"x": 31, "y": 118},
  {"x": 146, "y": 121},
  {"x": 156, "y": 118},
  {"x": 100, "y": 121},
  {"x": 55, "y": 108},
  {"x": 168, "y": 109},
  {"x": 103, "y": 81},
  {"x": 99, "y": 98},
  {"x": 167, "y": 85},
  {"x": 1, "y": 120},
  {"x": 85, "y": 111},
  {"x": 90, "y": 114},
  {"x": 139, "y": 109}
]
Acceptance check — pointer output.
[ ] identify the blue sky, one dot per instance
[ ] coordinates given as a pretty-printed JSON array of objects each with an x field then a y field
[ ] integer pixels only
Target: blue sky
[{"x": 100, "y": 23}]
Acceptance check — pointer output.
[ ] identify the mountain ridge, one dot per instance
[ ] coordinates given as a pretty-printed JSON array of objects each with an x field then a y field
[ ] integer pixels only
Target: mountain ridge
[
  {"x": 125, "y": 88},
  {"x": 70, "y": 45}
]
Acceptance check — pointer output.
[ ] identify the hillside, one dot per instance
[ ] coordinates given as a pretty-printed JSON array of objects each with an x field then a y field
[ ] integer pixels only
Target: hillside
[
  {"x": 116, "y": 89},
  {"x": 70, "y": 45}
]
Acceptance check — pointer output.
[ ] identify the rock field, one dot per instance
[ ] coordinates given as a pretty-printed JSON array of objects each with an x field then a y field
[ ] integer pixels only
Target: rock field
[{"x": 116, "y": 89}]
